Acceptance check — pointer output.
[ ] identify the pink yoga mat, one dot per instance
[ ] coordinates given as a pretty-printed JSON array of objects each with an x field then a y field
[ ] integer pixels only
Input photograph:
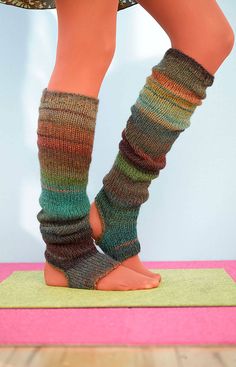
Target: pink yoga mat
[{"x": 129, "y": 326}]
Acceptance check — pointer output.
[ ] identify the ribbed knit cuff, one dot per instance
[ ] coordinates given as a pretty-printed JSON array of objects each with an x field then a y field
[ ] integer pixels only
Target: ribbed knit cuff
[
  {"x": 70, "y": 100},
  {"x": 186, "y": 71}
]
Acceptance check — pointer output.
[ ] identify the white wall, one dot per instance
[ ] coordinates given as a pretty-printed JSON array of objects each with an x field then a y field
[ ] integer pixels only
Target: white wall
[{"x": 191, "y": 211}]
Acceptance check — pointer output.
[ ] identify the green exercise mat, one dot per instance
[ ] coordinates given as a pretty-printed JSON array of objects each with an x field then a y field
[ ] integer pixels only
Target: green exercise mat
[{"x": 179, "y": 287}]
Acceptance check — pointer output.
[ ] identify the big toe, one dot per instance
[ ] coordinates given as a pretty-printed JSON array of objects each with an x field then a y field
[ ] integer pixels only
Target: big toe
[{"x": 156, "y": 276}]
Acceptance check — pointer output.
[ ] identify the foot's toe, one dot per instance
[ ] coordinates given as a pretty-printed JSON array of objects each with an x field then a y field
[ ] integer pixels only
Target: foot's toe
[
  {"x": 152, "y": 284},
  {"x": 123, "y": 278}
]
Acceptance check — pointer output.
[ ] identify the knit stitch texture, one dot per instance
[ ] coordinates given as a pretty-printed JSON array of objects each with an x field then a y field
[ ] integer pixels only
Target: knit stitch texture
[
  {"x": 66, "y": 126},
  {"x": 176, "y": 86}
]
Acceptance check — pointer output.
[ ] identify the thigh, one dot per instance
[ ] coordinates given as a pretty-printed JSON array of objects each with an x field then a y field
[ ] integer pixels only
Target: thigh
[{"x": 89, "y": 23}]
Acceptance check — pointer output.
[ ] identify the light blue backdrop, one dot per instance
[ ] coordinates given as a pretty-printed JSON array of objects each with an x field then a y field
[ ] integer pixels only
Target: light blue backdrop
[{"x": 191, "y": 211}]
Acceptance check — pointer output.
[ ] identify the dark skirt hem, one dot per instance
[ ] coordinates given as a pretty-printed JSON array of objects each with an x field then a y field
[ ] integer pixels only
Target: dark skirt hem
[{"x": 50, "y": 4}]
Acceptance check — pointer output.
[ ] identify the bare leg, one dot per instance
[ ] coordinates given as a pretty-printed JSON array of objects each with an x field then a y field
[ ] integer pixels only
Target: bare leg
[
  {"x": 198, "y": 28},
  {"x": 86, "y": 44}
]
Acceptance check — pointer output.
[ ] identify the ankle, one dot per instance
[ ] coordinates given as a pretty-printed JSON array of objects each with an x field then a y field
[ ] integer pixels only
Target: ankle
[
  {"x": 114, "y": 228},
  {"x": 95, "y": 221}
]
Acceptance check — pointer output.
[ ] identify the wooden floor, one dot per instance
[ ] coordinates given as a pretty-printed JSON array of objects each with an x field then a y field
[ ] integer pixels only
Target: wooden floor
[{"x": 109, "y": 356}]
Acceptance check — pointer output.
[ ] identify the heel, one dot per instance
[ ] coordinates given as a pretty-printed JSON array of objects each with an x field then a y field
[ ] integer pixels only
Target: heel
[{"x": 54, "y": 277}]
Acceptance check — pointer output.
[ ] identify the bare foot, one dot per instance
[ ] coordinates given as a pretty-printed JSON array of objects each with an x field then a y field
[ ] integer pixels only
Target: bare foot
[
  {"x": 119, "y": 279},
  {"x": 133, "y": 262},
  {"x": 136, "y": 264}
]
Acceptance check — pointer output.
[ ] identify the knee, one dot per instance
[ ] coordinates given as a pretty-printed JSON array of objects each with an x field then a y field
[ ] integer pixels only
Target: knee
[
  {"x": 103, "y": 52},
  {"x": 108, "y": 47},
  {"x": 96, "y": 52},
  {"x": 218, "y": 36},
  {"x": 222, "y": 40},
  {"x": 210, "y": 39}
]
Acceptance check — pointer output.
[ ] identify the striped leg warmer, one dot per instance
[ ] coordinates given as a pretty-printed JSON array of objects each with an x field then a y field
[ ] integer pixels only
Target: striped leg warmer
[
  {"x": 66, "y": 126},
  {"x": 176, "y": 86}
]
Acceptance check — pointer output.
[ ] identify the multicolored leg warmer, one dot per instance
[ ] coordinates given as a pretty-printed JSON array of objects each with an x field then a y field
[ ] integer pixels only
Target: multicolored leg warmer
[
  {"x": 66, "y": 127},
  {"x": 161, "y": 112}
]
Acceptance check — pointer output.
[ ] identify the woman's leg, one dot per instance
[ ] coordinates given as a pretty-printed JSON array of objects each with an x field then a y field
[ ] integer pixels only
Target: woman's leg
[
  {"x": 197, "y": 27},
  {"x": 177, "y": 85},
  {"x": 86, "y": 44}
]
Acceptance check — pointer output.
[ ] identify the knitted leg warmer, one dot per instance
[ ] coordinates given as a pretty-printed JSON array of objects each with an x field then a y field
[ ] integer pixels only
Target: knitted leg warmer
[
  {"x": 66, "y": 126},
  {"x": 161, "y": 112}
]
